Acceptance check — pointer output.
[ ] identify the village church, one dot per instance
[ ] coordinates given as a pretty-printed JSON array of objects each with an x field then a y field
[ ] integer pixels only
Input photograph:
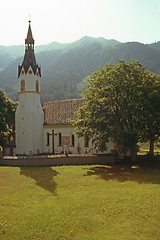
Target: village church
[{"x": 45, "y": 128}]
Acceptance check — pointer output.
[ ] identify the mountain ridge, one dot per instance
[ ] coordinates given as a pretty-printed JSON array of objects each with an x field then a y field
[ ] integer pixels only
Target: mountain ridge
[{"x": 65, "y": 66}]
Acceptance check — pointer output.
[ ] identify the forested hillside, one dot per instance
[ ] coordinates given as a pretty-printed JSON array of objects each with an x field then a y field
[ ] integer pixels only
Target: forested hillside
[{"x": 64, "y": 66}]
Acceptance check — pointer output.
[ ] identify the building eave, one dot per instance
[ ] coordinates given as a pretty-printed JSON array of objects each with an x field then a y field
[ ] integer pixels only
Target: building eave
[{"x": 57, "y": 125}]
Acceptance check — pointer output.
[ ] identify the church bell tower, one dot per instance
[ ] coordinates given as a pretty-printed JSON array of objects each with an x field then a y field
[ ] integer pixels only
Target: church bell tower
[{"x": 29, "y": 116}]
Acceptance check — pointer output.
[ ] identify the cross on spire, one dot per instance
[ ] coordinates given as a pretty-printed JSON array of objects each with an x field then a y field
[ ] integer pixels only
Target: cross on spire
[{"x": 29, "y": 18}]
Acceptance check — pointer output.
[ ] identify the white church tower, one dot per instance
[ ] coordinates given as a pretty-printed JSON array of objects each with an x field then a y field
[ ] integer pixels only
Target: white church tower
[{"x": 29, "y": 115}]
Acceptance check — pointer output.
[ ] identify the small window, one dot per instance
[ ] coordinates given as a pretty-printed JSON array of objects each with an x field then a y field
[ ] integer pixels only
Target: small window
[
  {"x": 86, "y": 141},
  {"x": 47, "y": 139},
  {"x": 37, "y": 85},
  {"x": 60, "y": 139},
  {"x": 30, "y": 72},
  {"x": 22, "y": 88},
  {"x": 72, "y": 140}
]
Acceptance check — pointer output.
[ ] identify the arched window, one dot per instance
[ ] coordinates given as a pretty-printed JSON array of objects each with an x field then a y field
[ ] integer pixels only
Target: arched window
[
  {"x": 22, "y": 86},
  {"x": 37, "y": 85},
  {"x": 47, "y": 139},
  {"x": 60, "y": 139},
  {"x": 86, "y": 142},
  {"x": 72, "y": 140}
]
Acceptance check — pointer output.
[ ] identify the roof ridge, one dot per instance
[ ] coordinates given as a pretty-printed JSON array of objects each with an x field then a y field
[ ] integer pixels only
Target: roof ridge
[{"x": 65, "y": 100}]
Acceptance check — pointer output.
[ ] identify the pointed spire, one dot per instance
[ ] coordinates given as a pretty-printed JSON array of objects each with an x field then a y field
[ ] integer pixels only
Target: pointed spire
[
  {"x": 29, "y": 57},
  {"x": 29, "y": 40}
]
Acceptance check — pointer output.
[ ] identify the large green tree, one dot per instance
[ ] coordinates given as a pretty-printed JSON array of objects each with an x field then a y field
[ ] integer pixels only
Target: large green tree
[
  {"x": 118, "y": 106},
  {"x": 7, "y": 119},
  {"x": 151, "y": 119}
]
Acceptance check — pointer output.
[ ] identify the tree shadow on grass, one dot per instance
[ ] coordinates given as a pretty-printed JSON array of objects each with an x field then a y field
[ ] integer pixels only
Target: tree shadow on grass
[
  {"x": 121, "y": 173},
  {"x": 44, "y": 177}
]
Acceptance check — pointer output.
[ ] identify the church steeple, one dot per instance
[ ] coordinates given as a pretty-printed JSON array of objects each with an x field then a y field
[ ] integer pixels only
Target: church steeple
[
  {"x": 29, "y": 41},
  {"x": 29, "y": 113},
  {"x": 29, "y": 57}
]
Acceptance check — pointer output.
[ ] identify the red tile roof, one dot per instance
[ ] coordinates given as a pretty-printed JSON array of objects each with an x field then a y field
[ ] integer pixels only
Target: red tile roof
[{"x": 61, "y": 112}]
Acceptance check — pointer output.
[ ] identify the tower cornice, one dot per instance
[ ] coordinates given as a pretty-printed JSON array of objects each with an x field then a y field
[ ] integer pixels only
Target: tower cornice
[{"x": 29, "y": 92}]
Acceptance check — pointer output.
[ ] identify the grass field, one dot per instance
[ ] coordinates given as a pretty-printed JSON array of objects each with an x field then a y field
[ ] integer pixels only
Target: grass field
[
  {"x": 80, "y": 202},
  {"x": 144, "y": 148}
]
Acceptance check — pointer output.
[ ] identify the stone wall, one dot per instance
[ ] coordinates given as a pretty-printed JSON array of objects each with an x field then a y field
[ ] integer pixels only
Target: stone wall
[{"x": 58, "y": 160}]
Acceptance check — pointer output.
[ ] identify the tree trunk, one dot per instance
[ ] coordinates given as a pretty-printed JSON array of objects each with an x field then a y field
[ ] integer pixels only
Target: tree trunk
[
  {"x": 151, "y": 147},
  {"x": 133, "y": 155}
]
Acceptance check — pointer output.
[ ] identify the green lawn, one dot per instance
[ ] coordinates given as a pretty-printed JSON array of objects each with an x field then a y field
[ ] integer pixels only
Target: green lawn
[
  {"x": 80, "y": 202},
  {"x": 144, "y": 148}
]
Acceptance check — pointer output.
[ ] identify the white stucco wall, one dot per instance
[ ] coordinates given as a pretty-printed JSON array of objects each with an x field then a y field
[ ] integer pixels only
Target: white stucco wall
[
  {"x": 29, "y": 124},
  {"x": 67, "y": 131},
  {"x": 29, "y": 117}
]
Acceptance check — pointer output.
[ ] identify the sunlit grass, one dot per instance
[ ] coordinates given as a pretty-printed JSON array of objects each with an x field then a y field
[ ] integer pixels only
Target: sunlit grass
[
  {"x": 144, "y": 148},
  {"x": 80, "y": 202}
]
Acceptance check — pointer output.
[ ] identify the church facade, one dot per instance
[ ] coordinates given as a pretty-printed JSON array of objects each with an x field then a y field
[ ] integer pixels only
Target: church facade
[{"x": 45, "y": 128}]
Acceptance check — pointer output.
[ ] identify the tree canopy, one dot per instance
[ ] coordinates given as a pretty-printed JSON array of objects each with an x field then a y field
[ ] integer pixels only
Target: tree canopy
[
  {"x": 122, "y": 105},
  {"x": 7, "y": 119}
]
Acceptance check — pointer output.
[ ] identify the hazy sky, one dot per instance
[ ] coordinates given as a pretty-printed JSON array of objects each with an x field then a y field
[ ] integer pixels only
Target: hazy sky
[{"x": 69, "y": 20}]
